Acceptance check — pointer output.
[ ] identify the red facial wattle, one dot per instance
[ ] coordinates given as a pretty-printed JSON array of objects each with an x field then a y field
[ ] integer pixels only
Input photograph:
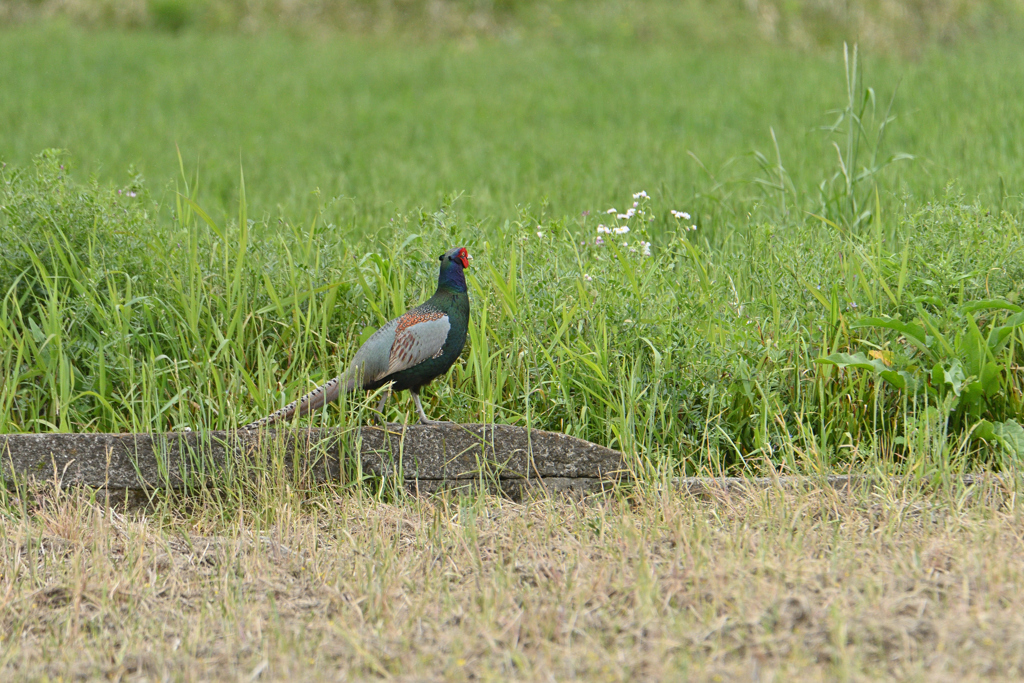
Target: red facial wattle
[{"x": 463, "y": 257}]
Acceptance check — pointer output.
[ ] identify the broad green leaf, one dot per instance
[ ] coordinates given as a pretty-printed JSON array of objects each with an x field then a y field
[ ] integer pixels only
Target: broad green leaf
[
  {"x": 991, "y": 379},
  {"x": 915, "y": 331},
  {"x": 899, "y": 379},
  {"x": 936, "y": 335},
  {"x": 955, "y": 376},
  {"x": 999, "y": 335},
  {"x": 857, "y": 360},
  {"x": 988, "y": 304},
  {"x": 973, "y": 348},
  {"x": 984, "y": 430},
  {"x": 971, "y": 397},
  {"x": 1009, "y": 435},
  {"x": 928, "y": 299}
]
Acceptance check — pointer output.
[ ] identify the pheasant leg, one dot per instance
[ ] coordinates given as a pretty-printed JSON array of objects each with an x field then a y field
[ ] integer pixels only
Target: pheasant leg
[
  {"x": 380, "y": 405},
  {"x": 419, "y": 409}
]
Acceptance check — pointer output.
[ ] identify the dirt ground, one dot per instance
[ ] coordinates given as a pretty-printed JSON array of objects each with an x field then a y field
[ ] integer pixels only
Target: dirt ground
[{"x": 331, "y": 585}]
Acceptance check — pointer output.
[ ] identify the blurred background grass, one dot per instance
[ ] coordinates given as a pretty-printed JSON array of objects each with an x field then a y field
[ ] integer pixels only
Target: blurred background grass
[
  {"x": 391, "y": 125},
  {"x": 890, "y": 25},
  {"x": 509, "y": 94}
]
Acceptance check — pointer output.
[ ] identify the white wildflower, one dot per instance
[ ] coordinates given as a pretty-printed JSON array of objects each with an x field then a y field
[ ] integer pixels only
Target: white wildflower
[
  {"x": 604, "y": 229},
  {"x": 693, "y": 227},
  {"x": 599, "y": 242},
  {"x": 681, "y": 215},
  {"x": 540, "y": 233},
  {"x": 638, "y": 195},
  {"x": 587, "y": 278},
  {"x": 611, "y": 211},
  {"x": 645, "y": 248},
  {"x": 621, "y": 230},
  {"x": 636, "y": 204}
]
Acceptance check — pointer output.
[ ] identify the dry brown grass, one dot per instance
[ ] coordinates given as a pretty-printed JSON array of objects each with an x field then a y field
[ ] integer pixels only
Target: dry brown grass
[{"x": 337, "y": 586}]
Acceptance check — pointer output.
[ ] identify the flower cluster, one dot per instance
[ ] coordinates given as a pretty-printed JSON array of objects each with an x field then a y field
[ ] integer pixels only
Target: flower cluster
[
  {"x": 645, "y": 248},
  {"x": 640, "y": 211},
  {"x": 683, "y": 216}
]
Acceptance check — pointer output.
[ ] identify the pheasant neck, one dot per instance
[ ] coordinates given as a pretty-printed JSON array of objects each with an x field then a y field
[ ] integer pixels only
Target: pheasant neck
[{"x": 452, "y": 278}]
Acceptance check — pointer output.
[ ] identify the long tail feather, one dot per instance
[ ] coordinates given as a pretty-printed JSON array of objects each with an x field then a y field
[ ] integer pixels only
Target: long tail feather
[{"x": 315, "y": 399}]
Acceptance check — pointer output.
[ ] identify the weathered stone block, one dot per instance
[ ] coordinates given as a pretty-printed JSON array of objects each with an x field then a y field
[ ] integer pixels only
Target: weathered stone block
[{"x": 420, "y": 453}]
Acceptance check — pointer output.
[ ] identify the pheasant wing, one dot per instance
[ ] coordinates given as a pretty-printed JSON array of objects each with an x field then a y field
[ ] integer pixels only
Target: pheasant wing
[
  {"x": 420, "y": 335},
  {"x": 371, "y": 360}
]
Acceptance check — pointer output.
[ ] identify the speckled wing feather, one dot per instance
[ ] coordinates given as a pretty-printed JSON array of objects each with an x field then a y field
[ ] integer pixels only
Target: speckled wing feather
[{"x": 420, "y": 335}]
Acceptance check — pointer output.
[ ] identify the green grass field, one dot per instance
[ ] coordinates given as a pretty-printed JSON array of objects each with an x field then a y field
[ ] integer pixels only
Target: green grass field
[
  {"x": 834, "y": 283},
  {"x": 147, "y": 290},
  {"x": 393, "y": 126}
]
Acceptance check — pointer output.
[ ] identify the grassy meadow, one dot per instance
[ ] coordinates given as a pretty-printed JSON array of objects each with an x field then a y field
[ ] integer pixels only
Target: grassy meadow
[
  {"x": 705, "y": 235},
  {"x": 234, "y": 214}
]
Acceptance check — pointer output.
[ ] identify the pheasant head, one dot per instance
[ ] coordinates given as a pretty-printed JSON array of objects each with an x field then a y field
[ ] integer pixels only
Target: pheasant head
[{"x": 453, "y": 262}]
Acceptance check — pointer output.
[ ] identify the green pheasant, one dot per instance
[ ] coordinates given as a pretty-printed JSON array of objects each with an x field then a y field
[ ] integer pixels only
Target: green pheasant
[{"x": 408, "y": 352}]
